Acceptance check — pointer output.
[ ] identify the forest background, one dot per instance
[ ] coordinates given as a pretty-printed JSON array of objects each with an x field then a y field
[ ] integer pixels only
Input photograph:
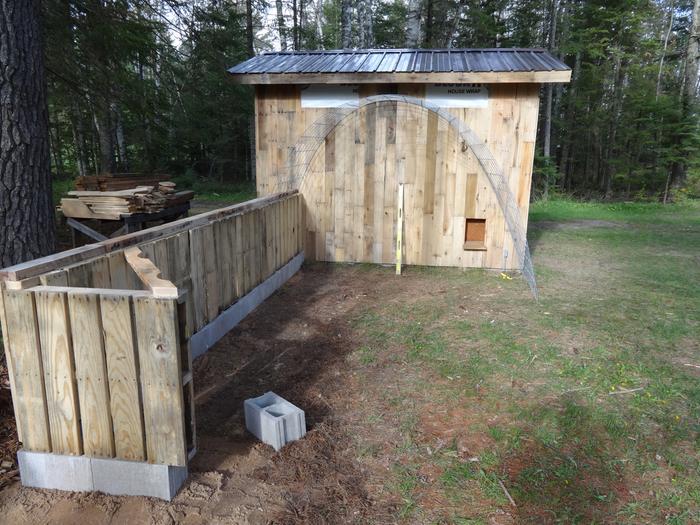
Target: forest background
[{"x": 141, "y": 85}]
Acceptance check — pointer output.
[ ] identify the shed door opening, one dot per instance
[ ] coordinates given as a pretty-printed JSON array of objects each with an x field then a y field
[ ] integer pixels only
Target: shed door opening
[{"x": 475, "y": 234}]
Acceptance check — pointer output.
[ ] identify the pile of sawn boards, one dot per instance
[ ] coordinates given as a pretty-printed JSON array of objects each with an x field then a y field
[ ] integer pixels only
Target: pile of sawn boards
[
  {"x": 113, "y": 205},
  {"x": 117, "y": 181}
]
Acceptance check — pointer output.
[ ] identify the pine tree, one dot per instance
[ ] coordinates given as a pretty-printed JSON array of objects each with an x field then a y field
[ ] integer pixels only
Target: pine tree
[{"x": 26, "y": 210}]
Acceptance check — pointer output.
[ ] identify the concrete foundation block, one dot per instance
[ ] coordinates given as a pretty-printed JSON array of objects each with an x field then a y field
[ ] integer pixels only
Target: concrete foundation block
[
  {"x": 274, "y": 420},
  {"x": 112, "y": 476},
  {"x": 134, "y": 478},
  {"x": 54, "y": 471}
]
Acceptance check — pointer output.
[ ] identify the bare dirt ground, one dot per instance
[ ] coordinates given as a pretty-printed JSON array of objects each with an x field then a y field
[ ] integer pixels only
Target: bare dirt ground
[{"x": 296, "y": 344}]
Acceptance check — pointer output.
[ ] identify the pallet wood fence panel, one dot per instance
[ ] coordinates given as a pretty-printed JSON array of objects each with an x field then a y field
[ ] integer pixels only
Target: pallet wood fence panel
[
  {"x": 98, "y": 338},
  {"x": 161, "y": 380},
  {"x": 199, "y": 294},
  {"x": 59, "y": 372},
  {"x": 21, "y": 337},
  {"x": 123, "y": 376},
  {"x": 91, "y": 373}
]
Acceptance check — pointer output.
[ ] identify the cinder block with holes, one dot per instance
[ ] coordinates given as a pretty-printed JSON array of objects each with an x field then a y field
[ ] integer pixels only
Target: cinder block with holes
[{"x": 274, "y": 420}]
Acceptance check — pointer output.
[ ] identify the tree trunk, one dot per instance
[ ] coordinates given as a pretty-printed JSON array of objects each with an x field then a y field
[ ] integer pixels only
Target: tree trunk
[
  {"x": 566, "y": 163},
  {"x": 693, "y": 56},
  {"x": 56, "y": 147},
  {"x": 672, "y": 11},
  {"x": 429, "y": 19},
  {"x": 413, "y": 23},
  {"x": 295, "y": 25},
  {"x": 550, "y": 88},
  {"x": 79, "y": 140},
  {"x": 281, "y": 26},
  {"x": 249, "y": 27},
  {"x": 304, "y": 23},
  {"x": 319, "y": 23},
  {"x": 618, "y": 82},
  {"x": 364, "y": 19},
  {"x": 103, "y": 126},
  {"x": 26, "y": 209},
  {"x": 345, "y": 24},
  {"x": 121, "y": 140}
]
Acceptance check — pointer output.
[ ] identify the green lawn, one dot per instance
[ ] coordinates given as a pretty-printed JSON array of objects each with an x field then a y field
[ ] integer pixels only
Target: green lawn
[{"x": 583, "y": 406}]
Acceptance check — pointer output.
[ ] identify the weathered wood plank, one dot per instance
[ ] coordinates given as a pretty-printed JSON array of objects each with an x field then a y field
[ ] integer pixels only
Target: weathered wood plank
[
  {"x": 123, "y": 376},
  {"x": 199, "y": 290},
  {"x": 119, "y": 271},
  {"x": 239, "y": 259},
  {"x": 211, "y": 272},
  {"x": 21, "y": 339},
  {"x": 149, "y": 274},
  {"x": 59, "y": 372},
  {"x": 161, "y": 380},
  {"x": 91, "y": 373}
]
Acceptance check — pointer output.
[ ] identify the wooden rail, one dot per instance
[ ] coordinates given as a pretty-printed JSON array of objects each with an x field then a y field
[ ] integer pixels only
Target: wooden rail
[{"x": 98, "y": 339}]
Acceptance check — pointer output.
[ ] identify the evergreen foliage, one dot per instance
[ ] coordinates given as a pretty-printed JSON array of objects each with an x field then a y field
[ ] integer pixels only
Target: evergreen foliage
[{"x": 140, "y": 85}]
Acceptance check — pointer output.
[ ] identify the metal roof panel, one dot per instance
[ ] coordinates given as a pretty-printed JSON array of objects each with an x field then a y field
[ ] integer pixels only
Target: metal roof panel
[
  {"x": 372, "y": 63},
  {"x": 405, "y": 62},
  {"x": 401, "y": 61},
  {"x": 442, "y": 62},
  {"x": 353, "y": 65},
  {"x": 389, "y": 62}
]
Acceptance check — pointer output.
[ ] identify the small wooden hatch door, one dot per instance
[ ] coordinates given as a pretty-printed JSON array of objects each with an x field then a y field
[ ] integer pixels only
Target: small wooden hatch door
[{"x": 475, "y": 234}]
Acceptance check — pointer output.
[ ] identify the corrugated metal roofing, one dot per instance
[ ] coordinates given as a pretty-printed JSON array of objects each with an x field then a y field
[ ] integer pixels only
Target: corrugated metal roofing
[{"x": 402, "y": 61}]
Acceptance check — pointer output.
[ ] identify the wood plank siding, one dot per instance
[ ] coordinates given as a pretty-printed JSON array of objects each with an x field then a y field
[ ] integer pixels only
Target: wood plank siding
[{"x": 350, "y": 186}]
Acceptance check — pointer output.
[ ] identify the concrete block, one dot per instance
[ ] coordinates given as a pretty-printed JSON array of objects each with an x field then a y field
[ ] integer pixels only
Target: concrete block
[
  {"x": 112, "y": 476},
  {"x": 134, "y": 478},
  {"x": 273, "y": 420},
  {"x": 54, "y": 471}
]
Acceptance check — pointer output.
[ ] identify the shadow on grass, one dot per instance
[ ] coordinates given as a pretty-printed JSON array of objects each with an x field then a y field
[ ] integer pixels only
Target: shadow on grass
[{"x": 566, "y": 474}]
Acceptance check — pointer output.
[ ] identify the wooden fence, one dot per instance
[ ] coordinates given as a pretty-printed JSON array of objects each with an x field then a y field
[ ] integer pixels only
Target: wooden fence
[{"x": 97, "y": 338}]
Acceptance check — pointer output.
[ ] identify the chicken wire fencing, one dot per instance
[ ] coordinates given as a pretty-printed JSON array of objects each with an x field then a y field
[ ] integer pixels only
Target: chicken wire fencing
[{"x": 304, "y": 150}]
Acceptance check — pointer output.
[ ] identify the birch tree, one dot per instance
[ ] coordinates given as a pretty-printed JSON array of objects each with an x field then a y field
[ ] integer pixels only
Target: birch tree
[
  {"x": 346, "y": 24},
  {"x": 281, "y": 28},
  {"x": 413, "y": 23},
  {"x": 364, "y": 21},
  {"x": 693, "y": 55}
]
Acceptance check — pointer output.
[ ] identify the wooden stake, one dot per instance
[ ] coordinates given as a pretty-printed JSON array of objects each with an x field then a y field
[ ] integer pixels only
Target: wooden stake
[{"x": 399, "y": 230}]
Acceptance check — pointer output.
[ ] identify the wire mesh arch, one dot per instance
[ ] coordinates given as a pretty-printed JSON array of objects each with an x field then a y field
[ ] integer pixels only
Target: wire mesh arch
[{"x": 302, "y": 153}]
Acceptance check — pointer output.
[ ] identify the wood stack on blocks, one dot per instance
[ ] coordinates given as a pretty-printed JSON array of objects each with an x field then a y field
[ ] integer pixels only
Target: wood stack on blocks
[{"x": 113, "y": 205}]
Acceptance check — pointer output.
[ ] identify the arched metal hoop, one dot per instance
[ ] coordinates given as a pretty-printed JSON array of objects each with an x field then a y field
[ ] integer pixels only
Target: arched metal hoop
[{"x": 306, "y": 147}]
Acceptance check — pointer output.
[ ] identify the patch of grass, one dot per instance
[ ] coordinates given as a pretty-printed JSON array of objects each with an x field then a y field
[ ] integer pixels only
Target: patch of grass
[
  {"x": 566, "y": 209},
  {"x": 581, "y": 403},
  {"x": 208, "y": 190},
  {"x": 230, "y": 193},
  {"x": 367, "y": 355},
  {"x": 407, "y": 482}
]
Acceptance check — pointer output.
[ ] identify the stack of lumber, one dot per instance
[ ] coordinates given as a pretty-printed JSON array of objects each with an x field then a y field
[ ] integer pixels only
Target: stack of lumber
[
  {"x": 117, "y": 181},
  {"x": 112, "y": 205}
]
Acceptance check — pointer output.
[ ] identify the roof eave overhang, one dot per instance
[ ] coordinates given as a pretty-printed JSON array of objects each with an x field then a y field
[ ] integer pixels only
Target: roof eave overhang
[{"x": 485, "y": 77}]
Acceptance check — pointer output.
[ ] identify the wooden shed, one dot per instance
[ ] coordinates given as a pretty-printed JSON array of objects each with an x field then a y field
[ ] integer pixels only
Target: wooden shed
[{"x": 448, "y": 136}]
